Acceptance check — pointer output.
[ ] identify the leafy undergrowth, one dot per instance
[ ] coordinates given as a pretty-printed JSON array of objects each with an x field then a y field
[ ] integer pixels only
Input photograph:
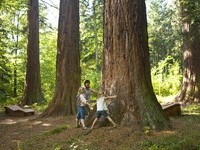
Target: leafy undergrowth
[{"x": 60, "y": 134}]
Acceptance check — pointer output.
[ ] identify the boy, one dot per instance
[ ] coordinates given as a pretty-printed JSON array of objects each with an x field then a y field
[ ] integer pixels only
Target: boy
[
  {"x": 102, "y": 109},
  {"x": 88, "y": 92}
]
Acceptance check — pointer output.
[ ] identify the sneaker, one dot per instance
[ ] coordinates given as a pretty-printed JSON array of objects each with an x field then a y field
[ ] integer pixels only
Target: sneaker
[{"x": 85, "y": 128}]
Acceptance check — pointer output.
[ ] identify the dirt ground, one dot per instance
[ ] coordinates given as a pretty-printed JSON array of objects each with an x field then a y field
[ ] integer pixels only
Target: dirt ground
[{"x": 26, "y": 133}]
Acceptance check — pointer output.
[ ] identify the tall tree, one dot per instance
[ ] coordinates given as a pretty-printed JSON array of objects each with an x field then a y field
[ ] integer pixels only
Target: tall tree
[
  {"x": 68, "y": 61},
  {"x": 126, "y": 66},
  {"x": 33, "y": 92},
  {"x": 15, "y": 56},
  {"x": 191, "y": 51}
]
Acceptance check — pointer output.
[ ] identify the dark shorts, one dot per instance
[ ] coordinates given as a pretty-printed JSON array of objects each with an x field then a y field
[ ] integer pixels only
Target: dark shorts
[
  {"x": 81, "y": 112},
  {"x": 102, "y": 113}
]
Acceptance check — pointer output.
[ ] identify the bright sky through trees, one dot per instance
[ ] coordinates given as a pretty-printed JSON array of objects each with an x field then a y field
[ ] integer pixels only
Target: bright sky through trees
[{"x": 53, "y": 10}]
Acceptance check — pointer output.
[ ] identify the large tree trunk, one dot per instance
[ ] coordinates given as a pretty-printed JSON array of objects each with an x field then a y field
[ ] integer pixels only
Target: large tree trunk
[
  {"x": 68, "y": 61},
  {"x": 190, "y": 91},
  {"x": 126, "y": 66},
  {"x": 33, "y": 92}
]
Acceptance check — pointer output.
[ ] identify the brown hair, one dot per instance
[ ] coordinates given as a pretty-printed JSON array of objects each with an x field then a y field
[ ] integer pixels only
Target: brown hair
[{"x": 81, "y": 90}]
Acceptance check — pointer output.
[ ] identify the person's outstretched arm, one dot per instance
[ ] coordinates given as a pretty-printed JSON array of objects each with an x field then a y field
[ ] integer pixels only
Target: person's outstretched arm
[
  {"x": 111, "y": 97},
  {"x": 94, "y": 92}
]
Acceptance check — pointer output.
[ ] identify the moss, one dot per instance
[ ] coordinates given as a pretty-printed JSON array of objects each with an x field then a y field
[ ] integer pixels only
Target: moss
[{"x": 57, "y": 130}]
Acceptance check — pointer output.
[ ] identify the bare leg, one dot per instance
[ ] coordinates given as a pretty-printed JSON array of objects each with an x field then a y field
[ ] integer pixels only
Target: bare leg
[
  {"x": 83, "y": 122},
  {"x": 77, "y": 123},
  {"x": 95, "y": 120},
  {"x": 114, "y": 124}
]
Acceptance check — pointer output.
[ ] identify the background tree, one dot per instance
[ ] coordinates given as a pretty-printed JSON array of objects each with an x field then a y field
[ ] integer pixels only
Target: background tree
[
  {"x": 164, "y": 47},
  {"x": 14, "y": 33},
  {"x": 164, "y": 32},
  {"x": 48, "y": 63},
  {"x": 68, "y": 61},
  {"x": 33, "y": 92},
  {"x": 13, "y": 43},
  {"x": 5, "y": 71},
  {"x": 126, "y": 66},
  {"x": 91, "y": 37},
  {"x": 191, "y": 51}
]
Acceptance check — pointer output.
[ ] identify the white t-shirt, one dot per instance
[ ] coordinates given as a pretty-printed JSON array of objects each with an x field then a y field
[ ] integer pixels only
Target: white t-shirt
[
  {"x": 82, "y": 100},
  {"x": 101, "y": 104}
]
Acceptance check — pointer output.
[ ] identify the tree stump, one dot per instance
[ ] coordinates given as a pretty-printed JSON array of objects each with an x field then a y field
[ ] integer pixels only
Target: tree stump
[{"x": 173, "y": 109}]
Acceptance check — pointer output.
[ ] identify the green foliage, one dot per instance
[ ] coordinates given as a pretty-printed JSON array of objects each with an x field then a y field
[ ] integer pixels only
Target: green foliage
[
  {"x": 172, "y": 142},
  {"x": 189, "y": 11},
  {"x": 13, "y": 22},
  {"x": 166, "y": 78},
  {"x": 39, "y": 107},
  {"x": 192, "y": 109},
  {"x": 13, "y": 44},
  {"x": 5, "y": 75},
  {"x": 48, "y": 63},
  {"x": 90, "y": 50},
  {"x": 57, "y": 130},
  {"x": 165, "y": 45},
  {"x": 164, "y": 32}
]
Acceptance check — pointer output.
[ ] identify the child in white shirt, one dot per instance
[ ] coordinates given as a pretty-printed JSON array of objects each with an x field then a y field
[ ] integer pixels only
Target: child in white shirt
[{"x": 102, "y": 109}]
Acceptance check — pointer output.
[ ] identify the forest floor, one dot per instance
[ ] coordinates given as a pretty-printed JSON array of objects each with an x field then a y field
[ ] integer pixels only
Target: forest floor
[{"x": 60, "y": 133}]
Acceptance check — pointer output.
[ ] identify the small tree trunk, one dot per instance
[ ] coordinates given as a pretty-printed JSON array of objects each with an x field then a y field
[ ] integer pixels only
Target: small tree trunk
[{"x": 16, "y": 20}]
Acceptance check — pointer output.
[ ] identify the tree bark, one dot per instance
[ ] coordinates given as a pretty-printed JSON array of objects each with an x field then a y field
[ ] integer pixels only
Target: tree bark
[
  {"x": 126, "y": 66},
  {"x": 190, "y": 91},
  {"x": 33, "y": 92},
  {"x": 68, "y": 61}
]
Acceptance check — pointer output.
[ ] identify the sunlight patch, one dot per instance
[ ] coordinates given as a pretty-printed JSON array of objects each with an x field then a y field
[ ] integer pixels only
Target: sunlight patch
[
  {"x": 8, "y": 121},
  {"x": 37, "y": 122},
  {"x": 46, "y": 124},
  {"x": 167, "y": 132}
]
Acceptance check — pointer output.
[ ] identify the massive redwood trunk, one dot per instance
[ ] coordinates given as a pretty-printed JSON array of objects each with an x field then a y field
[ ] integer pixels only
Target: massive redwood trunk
[
  {"x": 33, "y": 92},
  {"x": 190, "y": 91},
  {"x": 68, "y": 64},
  {"x": 126, "y": 66}
]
